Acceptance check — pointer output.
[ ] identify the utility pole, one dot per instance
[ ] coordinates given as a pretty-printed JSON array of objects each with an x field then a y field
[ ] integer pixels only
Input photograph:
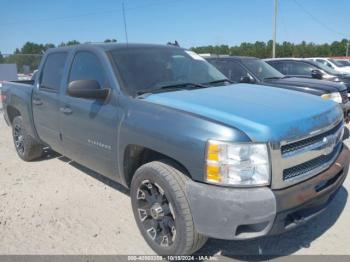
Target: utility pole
[
  {"x": 274, "y": 30},
  {"x": 347, "y": 47}
]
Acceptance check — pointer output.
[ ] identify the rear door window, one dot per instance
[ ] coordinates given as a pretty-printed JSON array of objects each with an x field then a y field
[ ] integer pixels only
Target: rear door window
[
  {"x": 52, "y": 73},
  {"x": 279, "y": 65}
]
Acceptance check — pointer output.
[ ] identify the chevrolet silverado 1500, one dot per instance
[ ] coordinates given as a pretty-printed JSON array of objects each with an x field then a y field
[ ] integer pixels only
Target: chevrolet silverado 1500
[{"x": 202, "y": 157}]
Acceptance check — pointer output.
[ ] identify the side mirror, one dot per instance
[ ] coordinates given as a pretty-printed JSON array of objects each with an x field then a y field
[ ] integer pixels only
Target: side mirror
[
  {"x": 87, "y": 89},
  {"x": 246, "y": 79},
  {"x": 316, "y": 74}
]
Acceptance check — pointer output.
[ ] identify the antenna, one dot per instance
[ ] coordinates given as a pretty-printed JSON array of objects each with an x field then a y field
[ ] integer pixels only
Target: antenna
[{"x": 125, "y": 27}]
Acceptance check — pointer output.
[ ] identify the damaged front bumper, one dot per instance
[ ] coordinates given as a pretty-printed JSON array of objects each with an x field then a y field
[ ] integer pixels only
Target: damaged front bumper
[{"x": 244, "y": 213}]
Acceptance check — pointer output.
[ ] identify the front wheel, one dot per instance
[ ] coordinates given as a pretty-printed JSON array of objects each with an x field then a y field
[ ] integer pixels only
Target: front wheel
[{"x": 162, "y": 211}]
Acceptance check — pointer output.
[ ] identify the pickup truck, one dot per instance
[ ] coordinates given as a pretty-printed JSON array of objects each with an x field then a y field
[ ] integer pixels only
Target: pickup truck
[
  {"x": 242, "y": 69},
  {"x": 202, "y": 157},
  {"x": 301, "y": 67}
]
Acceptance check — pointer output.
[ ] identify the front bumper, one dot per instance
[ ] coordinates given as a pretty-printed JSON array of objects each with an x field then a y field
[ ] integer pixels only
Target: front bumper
[
  {"x": 346, "y": 111},
  {"x": 244, "y": 213}
]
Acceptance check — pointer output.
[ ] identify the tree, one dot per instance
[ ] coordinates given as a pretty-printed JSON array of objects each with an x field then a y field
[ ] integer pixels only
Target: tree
[
  {"x": 69, "y": 43},
  {"x": 2, "y": 60},
  {"x": 286, "y": 49},
  {"x": 110, "y": 40}
]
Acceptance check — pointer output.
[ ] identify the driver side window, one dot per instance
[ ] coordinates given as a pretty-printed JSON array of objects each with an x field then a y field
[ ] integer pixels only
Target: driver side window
[{"x": 87, "y": 66}]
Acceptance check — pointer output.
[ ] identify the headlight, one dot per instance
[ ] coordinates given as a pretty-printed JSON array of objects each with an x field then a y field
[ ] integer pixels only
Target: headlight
[
  {"x": 237, "y": 164},
  {"x": 336, "y": 97}
]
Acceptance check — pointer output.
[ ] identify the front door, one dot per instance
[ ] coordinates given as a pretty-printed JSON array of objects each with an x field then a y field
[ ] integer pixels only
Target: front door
[{"x": 89, "y": 126}]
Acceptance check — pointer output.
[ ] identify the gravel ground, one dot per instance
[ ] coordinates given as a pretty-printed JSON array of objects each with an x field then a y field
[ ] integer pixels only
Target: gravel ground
[{"x": 54, "y": 206}]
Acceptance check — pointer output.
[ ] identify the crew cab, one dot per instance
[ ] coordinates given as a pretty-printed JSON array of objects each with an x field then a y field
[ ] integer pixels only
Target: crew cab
[
  {"x": 300, "y": 67},
  {"x": 202, "y": 157},
  {"x": 241, "y": 69}
]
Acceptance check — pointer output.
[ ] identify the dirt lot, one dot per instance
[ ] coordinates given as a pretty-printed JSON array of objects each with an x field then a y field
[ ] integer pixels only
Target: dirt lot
[{"x": 54, "y": 206}]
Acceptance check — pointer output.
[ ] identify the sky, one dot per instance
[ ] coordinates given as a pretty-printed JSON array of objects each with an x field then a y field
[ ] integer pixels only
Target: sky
[{"x": 190, "y": 22}]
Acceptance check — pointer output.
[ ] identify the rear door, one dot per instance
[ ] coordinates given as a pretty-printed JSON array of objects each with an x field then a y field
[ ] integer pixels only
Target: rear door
[
  {"x": 46, "y": 99},
  {"x": 89, "y": 126}
]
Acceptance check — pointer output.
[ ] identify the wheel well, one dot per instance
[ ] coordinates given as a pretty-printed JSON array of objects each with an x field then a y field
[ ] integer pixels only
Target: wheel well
[
  {"x": 12, "y": 113},
  {"x": 136, "y": 156}
]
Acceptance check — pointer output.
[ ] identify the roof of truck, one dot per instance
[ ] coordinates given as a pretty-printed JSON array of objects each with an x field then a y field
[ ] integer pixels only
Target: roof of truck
[
  {"x": 112, "y": 46},
  {"x": 212, "y": 56}
]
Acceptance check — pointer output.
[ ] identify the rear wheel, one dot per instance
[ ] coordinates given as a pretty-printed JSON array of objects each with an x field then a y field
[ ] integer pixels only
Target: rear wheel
[
  {"x": 27, "y": 147},
  {"x": 162, "y": 211}
]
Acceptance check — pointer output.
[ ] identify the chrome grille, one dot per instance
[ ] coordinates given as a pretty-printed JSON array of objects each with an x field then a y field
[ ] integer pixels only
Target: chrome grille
[
  {"x": 293, "y": 148},
  {"x": 295, "y": 161},
  {"x": 319, "y": 163},
  {"x": 344, "y": 96}
]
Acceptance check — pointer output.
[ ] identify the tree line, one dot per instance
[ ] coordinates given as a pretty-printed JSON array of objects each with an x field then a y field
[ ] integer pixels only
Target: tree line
[
  {"x": 27, "y": 58},
  {"x": 286, "y": 49},
  {"x": 30, "y": 53}
]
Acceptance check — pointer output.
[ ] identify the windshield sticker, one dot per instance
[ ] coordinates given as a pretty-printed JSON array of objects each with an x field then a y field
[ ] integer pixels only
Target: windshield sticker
[{"x": 194, "y": 55}]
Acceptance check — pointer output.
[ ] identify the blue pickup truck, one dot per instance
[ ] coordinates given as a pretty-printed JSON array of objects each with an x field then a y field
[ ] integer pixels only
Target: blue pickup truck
[{"x": 202, "y": 157}]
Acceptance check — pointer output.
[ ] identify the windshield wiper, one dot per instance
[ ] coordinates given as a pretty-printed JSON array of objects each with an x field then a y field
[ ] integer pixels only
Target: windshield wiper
[
  {"x": 218, "y": 81},
  {"x": 273, "y": 77},
  {"x": 182, "y": 86}
]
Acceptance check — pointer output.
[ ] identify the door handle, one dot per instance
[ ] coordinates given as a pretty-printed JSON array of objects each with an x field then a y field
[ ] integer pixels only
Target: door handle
[
  {"x": 66, "y": 110},
  {"x": 37, "y": 101}
]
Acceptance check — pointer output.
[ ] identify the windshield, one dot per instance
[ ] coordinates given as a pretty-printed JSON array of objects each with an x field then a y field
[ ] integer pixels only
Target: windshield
[
  {"x": 144, "y": 69},
  {"x": 340, "y": 63},
  {"x": 261, "y": 69}
]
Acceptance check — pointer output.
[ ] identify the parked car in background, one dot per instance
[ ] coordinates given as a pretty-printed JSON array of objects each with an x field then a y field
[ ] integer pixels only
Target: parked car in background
[
  {"x": 202, "y": 157},
  {"x": 24, "y": 77},
  {"x": 343, "y": 62},
  {"x": 241, "y": 69},
  {"x": 332, "y": 63},
  {"x": 305, "y": 68}
]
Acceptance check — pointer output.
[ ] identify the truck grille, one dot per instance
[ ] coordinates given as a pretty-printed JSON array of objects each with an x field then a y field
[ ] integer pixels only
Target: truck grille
[
  {"x": 319, "y": 163},
  {"x": 344, "y": 96},
  {"x": 293, "y": 148}
]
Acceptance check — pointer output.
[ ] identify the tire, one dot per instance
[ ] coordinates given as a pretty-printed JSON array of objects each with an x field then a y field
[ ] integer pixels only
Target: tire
[
  {"x": 170, "y": 184},
  {"x": 27, "y": 148}
]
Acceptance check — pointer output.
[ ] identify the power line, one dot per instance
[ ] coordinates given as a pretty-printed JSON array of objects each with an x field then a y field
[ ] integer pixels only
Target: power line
[
  {"x": 326, "y": 26},
  {"x": 78, "y": 16},
  {"x": 61, "y": 18}
]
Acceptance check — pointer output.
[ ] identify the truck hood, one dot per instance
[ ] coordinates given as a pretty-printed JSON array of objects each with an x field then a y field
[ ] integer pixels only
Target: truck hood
[
  {"x": 264, "y": 113},
  {"x": 320, "y": 86}
]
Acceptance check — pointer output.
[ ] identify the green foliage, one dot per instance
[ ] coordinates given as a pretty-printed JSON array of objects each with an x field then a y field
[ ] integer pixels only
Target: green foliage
[
  {"x": 285, "y": 49},
  {"x": 29, "y": 55},
  {"x": 69, "y": 43},
  {"x": 110, "y": 40}
]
